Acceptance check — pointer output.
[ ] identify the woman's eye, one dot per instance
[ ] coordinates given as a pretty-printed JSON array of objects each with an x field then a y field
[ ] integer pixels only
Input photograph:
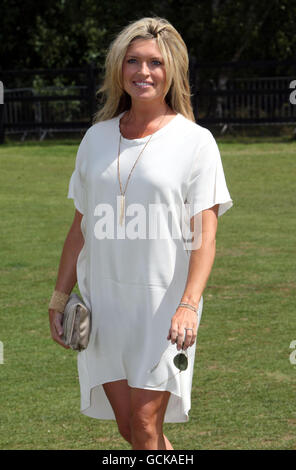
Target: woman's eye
[{"x": 154, "y": 62}]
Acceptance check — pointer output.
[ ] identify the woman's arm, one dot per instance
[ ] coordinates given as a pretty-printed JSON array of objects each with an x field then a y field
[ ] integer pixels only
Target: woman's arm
[
  {"x": 200, "y": 265},
  {"x": 67, "y": 277}
]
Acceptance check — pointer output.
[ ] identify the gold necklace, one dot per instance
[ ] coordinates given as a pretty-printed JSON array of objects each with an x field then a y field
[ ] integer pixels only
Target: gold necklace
[{"x": 122, "y": 198}]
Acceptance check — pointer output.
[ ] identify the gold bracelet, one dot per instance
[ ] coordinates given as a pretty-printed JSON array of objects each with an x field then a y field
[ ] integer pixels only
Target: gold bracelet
[
  {"x": 58, "y": 301},
  {"x": 182, "y": 304}
]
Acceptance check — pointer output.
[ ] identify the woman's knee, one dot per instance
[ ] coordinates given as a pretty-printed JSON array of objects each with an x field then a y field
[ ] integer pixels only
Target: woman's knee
[
  {"x": 147, "y": 411},
  {"x": 144, "y": 426}
]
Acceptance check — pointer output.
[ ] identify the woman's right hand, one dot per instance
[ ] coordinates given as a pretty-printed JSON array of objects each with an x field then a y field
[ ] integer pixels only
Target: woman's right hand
[{"x": 56, "y": 327}]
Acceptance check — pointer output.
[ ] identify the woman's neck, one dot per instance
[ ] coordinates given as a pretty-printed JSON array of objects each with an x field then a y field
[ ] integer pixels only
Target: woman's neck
[
  {"x": 144, "y": 119},
  {"x": 142, "y": 114}
]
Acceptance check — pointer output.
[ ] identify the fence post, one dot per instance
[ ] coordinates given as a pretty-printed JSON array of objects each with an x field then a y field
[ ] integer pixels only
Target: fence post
[
  {"x": 91, "y": 89},
  {"x": 1, "y": 113}
]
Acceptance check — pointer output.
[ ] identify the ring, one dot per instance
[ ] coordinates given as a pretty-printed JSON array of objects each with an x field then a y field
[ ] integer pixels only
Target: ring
[{"x": 188, "y": 329}]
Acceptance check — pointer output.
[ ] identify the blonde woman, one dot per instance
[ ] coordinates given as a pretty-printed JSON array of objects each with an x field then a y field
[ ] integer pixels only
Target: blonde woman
[{"x": 144, "y": 171}]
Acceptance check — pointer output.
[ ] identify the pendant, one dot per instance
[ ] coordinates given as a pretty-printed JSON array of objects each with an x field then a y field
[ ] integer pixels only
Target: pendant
[{"x": 122, "y": 203}]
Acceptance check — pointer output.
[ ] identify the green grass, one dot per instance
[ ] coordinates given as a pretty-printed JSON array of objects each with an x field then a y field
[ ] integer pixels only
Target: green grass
[{"x": 243, "y": 394}]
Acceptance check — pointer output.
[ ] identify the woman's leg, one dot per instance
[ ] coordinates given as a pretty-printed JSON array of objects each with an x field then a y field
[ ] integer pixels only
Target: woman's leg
[
  {"x": 119, "y": 396},
  {"x": 148, "y": 409}
]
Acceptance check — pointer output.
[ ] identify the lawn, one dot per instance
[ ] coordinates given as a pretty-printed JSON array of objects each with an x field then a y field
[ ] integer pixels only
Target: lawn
[{"x": 243, "y": 394}]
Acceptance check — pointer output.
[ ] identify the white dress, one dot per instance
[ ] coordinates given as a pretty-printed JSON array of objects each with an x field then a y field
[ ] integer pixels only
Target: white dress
[{"x": 133, "y": 276}]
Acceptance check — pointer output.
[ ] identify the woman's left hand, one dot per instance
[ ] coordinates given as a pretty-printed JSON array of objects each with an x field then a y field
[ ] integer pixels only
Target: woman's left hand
[{"x": 183, "y": 318}]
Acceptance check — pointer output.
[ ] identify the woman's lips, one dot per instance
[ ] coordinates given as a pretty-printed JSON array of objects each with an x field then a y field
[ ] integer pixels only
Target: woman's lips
[{"x": 143, "y": 84}]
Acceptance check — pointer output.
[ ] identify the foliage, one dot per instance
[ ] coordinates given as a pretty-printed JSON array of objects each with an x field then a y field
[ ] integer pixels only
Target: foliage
[{"x": 64, "y": 33}]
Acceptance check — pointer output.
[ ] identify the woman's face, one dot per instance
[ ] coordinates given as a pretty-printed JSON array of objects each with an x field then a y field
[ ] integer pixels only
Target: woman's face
[{"x": 143, "y": 71}]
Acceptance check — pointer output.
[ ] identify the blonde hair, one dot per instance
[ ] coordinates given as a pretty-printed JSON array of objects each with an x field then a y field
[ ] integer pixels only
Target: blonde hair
[{"x": 175, "y": 56}]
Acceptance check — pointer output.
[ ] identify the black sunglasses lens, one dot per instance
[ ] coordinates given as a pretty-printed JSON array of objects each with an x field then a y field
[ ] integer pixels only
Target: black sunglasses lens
[{"x": 181, "y": 361}]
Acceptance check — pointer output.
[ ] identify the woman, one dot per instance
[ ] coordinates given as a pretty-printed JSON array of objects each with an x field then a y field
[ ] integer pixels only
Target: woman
[{"x": 142, "y": 168}]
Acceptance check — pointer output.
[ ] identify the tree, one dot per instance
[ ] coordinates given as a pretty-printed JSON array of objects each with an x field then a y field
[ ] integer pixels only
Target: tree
[{"x": 64, "y": 33}]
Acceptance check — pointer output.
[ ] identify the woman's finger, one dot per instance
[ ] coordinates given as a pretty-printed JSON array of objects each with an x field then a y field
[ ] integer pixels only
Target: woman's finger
[
  {"x": 56, "y": 337},
  {"x": 58, "y": 322},
  {"x": 180, "y": 339},
  {"x": 193, "y": 337},
  {"x": 188, "y": 338},
  {"x": 173, "y": 333},
  {"x": 56, "y": 329}
]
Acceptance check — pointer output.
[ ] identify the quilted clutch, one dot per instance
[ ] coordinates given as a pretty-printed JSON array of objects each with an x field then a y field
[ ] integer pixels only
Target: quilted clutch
[{"x": 76, "y": 323}]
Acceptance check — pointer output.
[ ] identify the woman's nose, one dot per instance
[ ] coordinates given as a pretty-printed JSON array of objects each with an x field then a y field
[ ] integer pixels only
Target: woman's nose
[{"x": 144, "y": 69}]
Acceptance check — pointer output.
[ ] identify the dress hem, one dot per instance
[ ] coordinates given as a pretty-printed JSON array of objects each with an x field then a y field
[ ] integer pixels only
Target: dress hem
[{"x": 87, "y": 410}]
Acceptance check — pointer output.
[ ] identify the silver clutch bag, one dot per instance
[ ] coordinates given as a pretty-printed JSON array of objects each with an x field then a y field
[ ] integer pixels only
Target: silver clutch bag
[{"x": 76, "y": 323}]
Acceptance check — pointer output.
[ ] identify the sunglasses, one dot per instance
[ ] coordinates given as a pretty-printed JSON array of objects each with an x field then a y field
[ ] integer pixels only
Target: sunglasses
[{"x": 180, "y": 361}]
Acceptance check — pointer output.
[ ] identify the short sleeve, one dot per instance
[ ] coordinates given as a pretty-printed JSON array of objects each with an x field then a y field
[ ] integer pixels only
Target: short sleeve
[
  {"x": 207, "y": 185},
  {"x": 76, "y": 189}
]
